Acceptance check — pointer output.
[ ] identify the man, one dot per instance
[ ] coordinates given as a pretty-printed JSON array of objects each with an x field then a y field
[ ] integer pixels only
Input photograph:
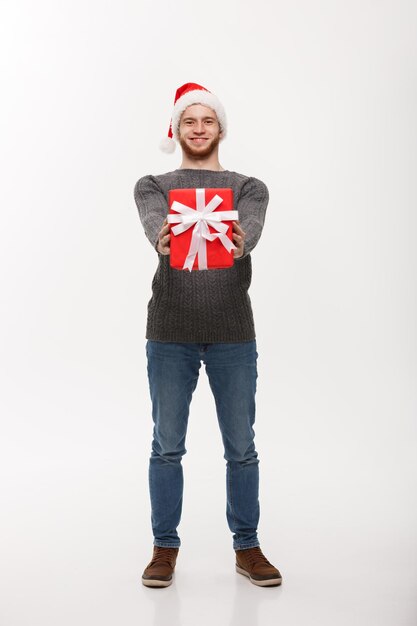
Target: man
[{"x": 202, "y": 315}]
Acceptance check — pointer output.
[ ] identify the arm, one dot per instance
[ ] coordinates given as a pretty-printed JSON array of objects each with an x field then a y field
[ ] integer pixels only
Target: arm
[
  {"x": 152, "y": 206},
  {"x": 251, "y": 205}
]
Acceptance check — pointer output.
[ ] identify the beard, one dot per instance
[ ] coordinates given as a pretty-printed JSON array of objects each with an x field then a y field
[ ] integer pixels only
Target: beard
[{"x": 200, "y": 152}]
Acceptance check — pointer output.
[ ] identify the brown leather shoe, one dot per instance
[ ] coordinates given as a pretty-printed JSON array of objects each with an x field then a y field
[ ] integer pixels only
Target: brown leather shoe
[
  {"x": 158, "y": 573},
  {"x": 253, "y": 564}
]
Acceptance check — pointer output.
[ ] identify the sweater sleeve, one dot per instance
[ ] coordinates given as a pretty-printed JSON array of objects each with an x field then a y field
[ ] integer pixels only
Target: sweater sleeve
[
  {"x": 152, "y": 206},
  {"x": 251, "y": 206}
]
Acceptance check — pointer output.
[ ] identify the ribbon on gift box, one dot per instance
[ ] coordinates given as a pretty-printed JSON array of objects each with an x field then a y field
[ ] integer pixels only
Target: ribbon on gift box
[{"x": 201, "y": 217}]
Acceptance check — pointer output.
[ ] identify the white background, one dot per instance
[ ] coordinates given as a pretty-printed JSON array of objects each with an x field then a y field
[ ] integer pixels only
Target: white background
[{"x": 321, "y": 101}]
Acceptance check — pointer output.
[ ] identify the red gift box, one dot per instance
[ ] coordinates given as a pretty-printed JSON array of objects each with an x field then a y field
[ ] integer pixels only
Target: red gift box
[{"x": 201, "y": 228}]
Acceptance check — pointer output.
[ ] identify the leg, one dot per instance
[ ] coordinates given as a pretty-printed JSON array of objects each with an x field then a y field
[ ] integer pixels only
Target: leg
[
  {"x": 232, "y": 373},
  {"x": 173, "y": 370}
]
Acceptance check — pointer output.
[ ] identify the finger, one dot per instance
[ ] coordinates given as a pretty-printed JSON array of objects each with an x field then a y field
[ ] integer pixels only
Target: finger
[{"x": 237, "y": 228}]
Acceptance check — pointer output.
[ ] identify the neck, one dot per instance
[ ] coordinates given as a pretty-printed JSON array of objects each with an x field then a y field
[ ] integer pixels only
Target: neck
[{"x": 206, "y": 163}]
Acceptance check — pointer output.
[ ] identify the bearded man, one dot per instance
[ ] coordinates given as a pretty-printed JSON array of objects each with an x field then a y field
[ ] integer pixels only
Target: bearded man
[{"x": 203, "y": 315}]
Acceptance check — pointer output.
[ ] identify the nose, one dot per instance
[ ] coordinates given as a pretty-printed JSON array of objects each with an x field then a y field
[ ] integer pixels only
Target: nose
[{"x": 200, "y": 127}]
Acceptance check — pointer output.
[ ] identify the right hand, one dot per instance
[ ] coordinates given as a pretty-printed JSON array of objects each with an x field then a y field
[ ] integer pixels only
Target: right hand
[{"x": 163, "y": 238}]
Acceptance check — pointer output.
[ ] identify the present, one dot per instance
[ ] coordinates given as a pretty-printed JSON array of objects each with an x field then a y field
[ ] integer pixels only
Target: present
[{"x": 202, "y": 237}]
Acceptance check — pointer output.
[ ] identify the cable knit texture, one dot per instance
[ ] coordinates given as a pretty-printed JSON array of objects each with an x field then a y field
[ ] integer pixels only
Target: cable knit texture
[{"x": 203, "y": 306}]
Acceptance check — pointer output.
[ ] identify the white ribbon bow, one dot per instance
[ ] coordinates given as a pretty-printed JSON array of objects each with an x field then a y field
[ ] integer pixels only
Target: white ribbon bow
[{"x": 202, "y": 217}]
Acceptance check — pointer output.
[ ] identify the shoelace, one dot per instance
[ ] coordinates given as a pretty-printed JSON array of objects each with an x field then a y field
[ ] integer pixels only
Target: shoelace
[
  {"x": 163, "y": 555},
  {"x": 255, "y": 556}
]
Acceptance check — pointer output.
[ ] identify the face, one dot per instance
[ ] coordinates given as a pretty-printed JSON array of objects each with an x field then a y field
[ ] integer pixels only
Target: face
[{"x": 199, "y": 131}]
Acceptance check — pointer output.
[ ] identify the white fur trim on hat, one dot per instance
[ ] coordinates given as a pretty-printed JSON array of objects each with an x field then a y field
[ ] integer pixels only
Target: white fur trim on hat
[
  {"x": 198, "y": 96},
  {"x": 167, "y": 145}
]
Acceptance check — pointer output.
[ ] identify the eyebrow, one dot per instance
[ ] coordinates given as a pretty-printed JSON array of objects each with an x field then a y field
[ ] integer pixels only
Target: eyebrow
[{"x": 206, "y": 117}]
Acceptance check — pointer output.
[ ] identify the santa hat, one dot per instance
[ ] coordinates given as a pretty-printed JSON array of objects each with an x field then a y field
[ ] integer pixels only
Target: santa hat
[{"x": 186, "y": 95}]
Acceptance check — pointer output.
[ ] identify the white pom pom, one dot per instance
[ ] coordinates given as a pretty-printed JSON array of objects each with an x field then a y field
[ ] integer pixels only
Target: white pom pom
[{"x": 167, "y": 145}]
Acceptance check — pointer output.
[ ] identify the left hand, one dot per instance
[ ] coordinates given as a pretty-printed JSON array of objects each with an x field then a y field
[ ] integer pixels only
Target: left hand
[{"x": 238, "y": 240}]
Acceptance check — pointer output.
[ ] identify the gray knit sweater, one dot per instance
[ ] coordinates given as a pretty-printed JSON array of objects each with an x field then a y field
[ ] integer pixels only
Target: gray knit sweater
[{"x": 202, "y": 306}]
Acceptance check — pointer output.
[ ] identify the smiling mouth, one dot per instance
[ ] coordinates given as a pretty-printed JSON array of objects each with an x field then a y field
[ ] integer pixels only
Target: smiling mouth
[{"x": 198, "y": 139}]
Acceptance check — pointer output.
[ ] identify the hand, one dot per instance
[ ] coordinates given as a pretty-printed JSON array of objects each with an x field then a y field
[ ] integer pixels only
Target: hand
[
  {"x": 238, "y": 240},
  {"x": 163, "y": 238}
]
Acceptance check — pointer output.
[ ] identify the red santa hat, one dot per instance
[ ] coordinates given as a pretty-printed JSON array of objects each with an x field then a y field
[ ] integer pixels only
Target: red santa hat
[{"x": 186, "y": 95}]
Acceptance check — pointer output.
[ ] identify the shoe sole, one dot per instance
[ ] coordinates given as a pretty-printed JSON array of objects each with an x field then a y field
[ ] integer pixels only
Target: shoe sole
[
  {"x": 270, "y": 582},
  {"x": 153, "y": 582}
]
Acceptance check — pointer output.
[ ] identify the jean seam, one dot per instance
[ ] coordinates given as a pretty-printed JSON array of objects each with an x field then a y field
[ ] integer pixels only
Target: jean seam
[
  {"x": 231, "y": 496},
  {"x": 248, "y": 547}
]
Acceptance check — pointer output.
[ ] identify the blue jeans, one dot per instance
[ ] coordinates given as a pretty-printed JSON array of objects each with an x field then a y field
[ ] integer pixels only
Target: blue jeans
[{"x": 173, "y": 370}]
